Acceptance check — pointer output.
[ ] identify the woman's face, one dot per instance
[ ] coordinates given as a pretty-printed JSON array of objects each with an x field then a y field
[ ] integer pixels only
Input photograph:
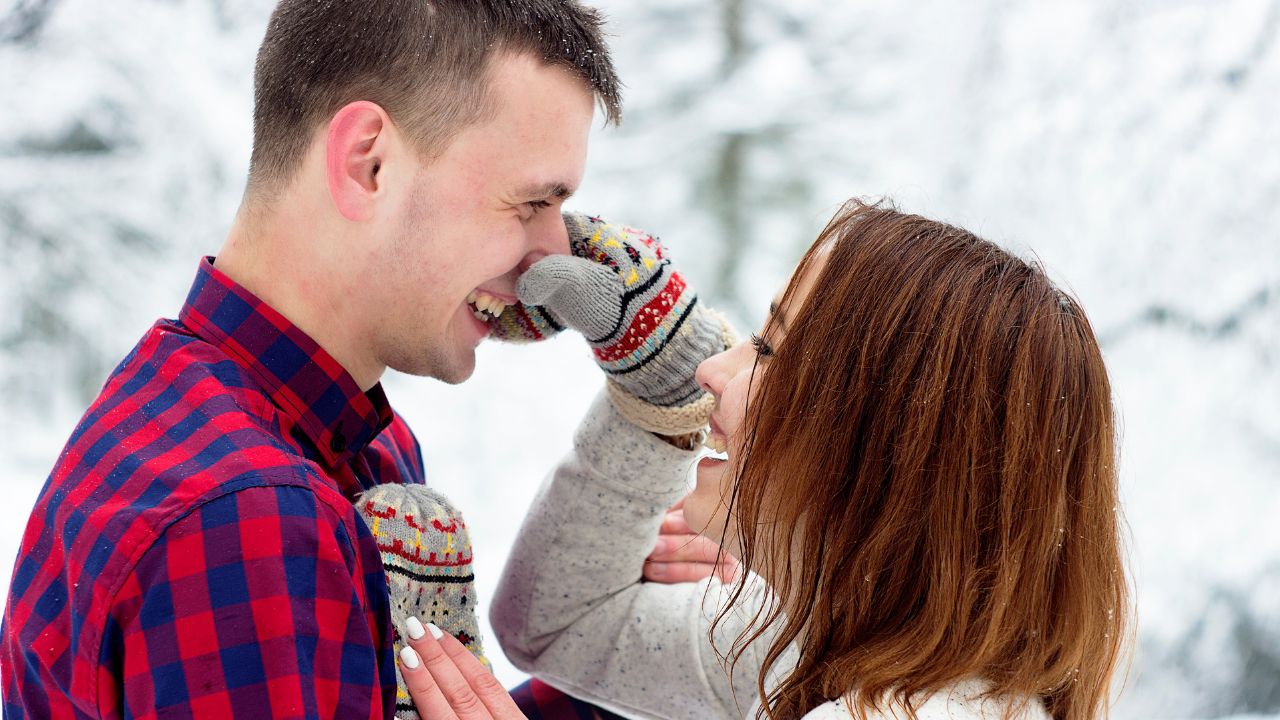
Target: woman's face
[{"x": 729, "y": 377}]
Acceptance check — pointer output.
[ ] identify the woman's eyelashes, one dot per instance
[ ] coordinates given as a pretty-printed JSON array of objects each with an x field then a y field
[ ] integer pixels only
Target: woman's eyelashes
[{"x": 762, "y": 347}]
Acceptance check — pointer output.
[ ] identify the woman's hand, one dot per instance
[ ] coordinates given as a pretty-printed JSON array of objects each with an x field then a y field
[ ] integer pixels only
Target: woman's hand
[
  {"x": 682, "y": 555},
  {"x": 448, "y": 683}
]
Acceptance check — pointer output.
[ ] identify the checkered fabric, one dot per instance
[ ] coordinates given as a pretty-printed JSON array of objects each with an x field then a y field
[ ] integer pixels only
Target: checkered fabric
[
  {"x": 539, "y": 701},
  {"x": 195, "y": 551}
]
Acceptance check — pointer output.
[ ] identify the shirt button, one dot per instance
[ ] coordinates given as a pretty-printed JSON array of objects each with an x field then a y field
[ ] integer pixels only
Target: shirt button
[{"x": 337, "y": 443}]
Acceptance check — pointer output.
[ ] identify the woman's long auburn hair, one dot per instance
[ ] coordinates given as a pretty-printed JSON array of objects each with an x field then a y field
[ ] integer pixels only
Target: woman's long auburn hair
[{"x": 929, "y": 479}]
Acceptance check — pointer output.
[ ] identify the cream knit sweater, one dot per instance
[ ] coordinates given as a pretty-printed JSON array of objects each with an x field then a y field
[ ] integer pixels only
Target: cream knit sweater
[{"x": 571, "y": 610}]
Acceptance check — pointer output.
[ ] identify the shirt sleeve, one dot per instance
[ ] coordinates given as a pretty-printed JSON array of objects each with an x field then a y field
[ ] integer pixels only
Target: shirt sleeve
[
  {"x": 267, "y": 602},
  {"x": 571, "y": 608}
]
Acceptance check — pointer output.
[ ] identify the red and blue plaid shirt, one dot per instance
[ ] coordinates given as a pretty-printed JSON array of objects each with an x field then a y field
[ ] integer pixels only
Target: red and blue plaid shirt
[{"x": 195, "y": 552}]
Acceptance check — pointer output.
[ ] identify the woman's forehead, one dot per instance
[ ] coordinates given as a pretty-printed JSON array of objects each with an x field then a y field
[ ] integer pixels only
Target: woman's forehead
[{"x": 804, "y": 284}]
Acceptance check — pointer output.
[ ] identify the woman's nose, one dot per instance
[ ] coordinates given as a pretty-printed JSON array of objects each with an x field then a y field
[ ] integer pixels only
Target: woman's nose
[{"x": 712, "y": 373}]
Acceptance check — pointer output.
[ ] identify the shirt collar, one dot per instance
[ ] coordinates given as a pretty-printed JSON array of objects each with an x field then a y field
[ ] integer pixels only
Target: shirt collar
[{"x": 302, "y": 380}]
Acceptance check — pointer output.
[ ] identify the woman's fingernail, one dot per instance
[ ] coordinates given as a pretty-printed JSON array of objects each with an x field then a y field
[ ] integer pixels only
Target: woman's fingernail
[
  {"x": 436, "y": 632},
  {"x": 409, "y": 657},
  {"x": 414, "y": 627},
  {"x": 660, "y": 547}
]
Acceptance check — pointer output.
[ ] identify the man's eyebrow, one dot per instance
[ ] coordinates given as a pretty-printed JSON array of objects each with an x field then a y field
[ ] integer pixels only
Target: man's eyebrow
[{"x": 557, "y": 190}]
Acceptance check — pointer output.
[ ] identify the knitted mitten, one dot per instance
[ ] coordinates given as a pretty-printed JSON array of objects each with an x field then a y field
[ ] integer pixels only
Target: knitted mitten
[
  {"x": 643, "y": 321},
  {"x": 426, "y": 552},
  {"x": 522, "y": 323}
]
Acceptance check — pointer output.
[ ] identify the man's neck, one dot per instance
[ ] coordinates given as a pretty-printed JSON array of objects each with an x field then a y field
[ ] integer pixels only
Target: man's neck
[{"x": 281, "y": 258}]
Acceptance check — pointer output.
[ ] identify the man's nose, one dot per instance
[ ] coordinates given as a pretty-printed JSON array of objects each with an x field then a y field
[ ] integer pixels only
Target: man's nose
[{"x": 546, "y": 235}]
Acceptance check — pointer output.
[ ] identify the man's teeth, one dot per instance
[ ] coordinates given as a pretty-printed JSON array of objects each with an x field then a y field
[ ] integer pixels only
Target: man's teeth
[{"x": 486, "y": 303}]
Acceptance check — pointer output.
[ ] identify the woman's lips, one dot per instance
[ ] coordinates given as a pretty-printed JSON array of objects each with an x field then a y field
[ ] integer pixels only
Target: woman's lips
[
  {"x": 715, "y": 427},
  {"x": 716, "y": 440}
]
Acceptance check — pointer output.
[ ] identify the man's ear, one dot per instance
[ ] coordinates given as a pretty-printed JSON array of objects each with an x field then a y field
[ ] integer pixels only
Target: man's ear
[{"x": 354, "y": 153}]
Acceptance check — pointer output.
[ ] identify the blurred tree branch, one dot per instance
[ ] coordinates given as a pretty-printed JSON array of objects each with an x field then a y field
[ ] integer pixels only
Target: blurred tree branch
[
  {"x": 1261, "y": 46},
  {"x": 1238, "y": 624},
  {"x": 729, "y": 180},
  {"x": 25, "y": 20},
  {"x": 1166, "y": 316}
]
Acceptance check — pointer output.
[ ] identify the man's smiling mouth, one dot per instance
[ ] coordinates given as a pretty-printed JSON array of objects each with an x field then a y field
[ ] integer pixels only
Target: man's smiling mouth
[{"x": 484, "y": 306}]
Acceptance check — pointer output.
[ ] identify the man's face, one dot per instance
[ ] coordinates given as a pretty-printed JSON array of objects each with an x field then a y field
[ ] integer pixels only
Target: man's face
[{"x": 477, "y": 216}]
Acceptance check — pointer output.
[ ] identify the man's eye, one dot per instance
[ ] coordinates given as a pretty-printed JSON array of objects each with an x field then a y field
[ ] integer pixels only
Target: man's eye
[
  {"x": 763, "y": 349},
  {"x": 530, "y": 209}
]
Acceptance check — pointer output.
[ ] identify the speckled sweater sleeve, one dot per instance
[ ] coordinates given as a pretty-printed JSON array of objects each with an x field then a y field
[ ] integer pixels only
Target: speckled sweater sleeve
[{"x": 571, "y": 610}]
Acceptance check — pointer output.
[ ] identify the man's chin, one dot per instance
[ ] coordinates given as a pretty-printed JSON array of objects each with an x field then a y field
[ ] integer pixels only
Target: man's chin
[
  {"x": 452, "y": 371},
  {"x": 456, "y": 378}
]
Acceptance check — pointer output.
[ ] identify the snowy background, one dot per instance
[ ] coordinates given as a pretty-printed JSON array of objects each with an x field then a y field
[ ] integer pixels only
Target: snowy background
[{"x": 1133, "y": 145}]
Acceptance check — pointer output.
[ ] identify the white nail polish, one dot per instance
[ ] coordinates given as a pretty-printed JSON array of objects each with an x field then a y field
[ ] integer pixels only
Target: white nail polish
[
  {"x": 413, "y": 627},
  {"x": 436, "y": 632},
  {"x": 409, "y": 657}
]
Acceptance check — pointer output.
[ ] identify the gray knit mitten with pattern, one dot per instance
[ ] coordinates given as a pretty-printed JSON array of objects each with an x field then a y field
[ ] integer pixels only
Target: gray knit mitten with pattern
[
  {"x": 426, "y": 553},
  {"x": 641, "y": 318}
]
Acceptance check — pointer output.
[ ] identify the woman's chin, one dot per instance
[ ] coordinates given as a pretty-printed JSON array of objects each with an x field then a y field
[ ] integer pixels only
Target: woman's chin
[{"x": 704, "y": 508}]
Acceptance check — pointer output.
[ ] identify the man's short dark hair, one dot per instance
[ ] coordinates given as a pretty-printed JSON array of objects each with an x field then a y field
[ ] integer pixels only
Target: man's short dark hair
[{"x": 423, "y": 61}]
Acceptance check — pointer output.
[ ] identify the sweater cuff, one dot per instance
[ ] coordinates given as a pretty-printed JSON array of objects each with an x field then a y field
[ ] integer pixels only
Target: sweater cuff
[{"x": 629, "y": 456}]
